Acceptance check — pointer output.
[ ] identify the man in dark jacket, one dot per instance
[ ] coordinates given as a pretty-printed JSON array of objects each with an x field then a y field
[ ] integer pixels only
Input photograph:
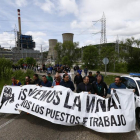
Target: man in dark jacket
[
  {"x": 28, "y": 80},
  {"x": 85, "y": 86},
  {"x": 100, "y": 87},
  {"x": 36, "y": 81},
  {"x": 97, "y": 73},
  {"x": 91, "y": 78},
  {"x": 45, "y": 82},
  {"x": 78, "y": 79},
  {"x": 67, "y": 83}
]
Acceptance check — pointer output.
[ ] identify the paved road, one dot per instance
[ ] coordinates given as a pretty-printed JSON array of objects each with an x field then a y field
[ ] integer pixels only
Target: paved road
[{"x": 29, "y": 127}]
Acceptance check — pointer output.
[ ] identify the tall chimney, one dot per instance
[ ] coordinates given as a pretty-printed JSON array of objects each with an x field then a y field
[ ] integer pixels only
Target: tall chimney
[{"x": 19, "y": 21}]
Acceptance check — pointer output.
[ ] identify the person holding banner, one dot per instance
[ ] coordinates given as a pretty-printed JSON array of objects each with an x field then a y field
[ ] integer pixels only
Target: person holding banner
[
  {"x": 45, "y": 82},
  {"x": 57, "y": 80},
  {"x": 67, "y": 83},
  {"x": 15, "y": 82},
  {"x": 85, "y": 86},
  {"x": 36, "y": 81},
  {"x": 28, "y": 80},
  {"x": 100, "y": 87},
  {"x": 117, "y": 85}
]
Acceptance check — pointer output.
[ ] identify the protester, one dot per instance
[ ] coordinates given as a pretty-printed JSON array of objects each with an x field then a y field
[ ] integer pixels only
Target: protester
[
  {"x": 78, "y": 79},
  {"x": 91, "y": 78},
  {"x": 79, "y": 71},
  {"x": 57, "y": 80},
  {"x": 15, "y": 82},
  {"x": 75, "y": 69},
  {"x": 49, "y": 78},
  {"x": 116, "y": 85},
  {"x": 85, "y": 86},
  {"x": 36, "y": 81},
  {"x": 45, "y": 82},
  {"x": 100, "y": 87},
  {"x": 67, "y": 83},
  {"x": 97, "y": 73},
  {"x": 28, "y": 80},
  {"x": 68, "y": 75},
  {"x": 86, "y": 71}
]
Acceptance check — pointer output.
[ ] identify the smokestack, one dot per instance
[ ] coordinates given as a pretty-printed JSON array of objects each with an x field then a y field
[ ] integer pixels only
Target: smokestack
[{"x": 19, "y": 21}]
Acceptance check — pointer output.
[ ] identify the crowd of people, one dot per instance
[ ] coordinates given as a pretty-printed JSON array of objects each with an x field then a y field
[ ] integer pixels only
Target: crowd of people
[{"x": 88, "y": 83}]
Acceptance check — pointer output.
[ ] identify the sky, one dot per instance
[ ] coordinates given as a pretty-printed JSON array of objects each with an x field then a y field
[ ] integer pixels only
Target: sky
[{"x": 48, "y": 19}]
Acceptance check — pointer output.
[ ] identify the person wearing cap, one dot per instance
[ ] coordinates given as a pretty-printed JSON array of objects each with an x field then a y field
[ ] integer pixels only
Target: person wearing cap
[
  {"x": 57, "y": 80},
  {"x": 49, "y": 77}
]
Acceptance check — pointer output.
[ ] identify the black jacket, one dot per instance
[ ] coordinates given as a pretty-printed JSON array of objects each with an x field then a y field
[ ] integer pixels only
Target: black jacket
[
  {"x": 91, "y": 79},
  {"x": 38, "y": 81},
  {"x": 83, "y": 87},
  {"x": 100, "y": 88},
  {"x": 78, "y": 79},
  {"x": 68, "y": 84}
]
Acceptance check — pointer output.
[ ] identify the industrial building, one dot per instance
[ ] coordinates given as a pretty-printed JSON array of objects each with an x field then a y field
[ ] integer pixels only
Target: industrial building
[{"x": 52, "y": 54}]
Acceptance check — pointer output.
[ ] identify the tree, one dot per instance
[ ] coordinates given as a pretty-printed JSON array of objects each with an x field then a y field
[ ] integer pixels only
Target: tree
[
  {"x": 67, "y": 51},
  {"x": 30, "y": 61},
  {"x": 21, "y": 61},
  {"x": 90, "y": 56}
]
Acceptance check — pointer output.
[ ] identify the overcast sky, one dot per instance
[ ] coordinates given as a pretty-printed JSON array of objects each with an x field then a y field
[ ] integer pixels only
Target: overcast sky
[{"x": 48, "y": 19}]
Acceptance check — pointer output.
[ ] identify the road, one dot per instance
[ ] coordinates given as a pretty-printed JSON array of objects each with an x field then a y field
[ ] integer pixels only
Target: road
[{"x": 28, "y": 127}]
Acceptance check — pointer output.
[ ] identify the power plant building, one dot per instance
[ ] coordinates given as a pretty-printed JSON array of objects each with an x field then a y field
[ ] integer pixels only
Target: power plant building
[{"x": 67, "y": 37}]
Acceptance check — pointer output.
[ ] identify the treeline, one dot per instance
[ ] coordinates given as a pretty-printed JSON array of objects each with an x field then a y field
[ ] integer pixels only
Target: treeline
[{"x": 126, "y": 58}]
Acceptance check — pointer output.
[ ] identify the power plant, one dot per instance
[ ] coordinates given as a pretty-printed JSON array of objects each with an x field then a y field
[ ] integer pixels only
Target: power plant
[
  {"x": 67, "y": 37},
  {"x": 52, "y": 54},
  {"x": 24, "y": 46}
]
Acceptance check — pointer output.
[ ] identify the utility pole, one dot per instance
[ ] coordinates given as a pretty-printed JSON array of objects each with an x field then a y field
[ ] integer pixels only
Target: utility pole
[{"x": 103, "y": 39}]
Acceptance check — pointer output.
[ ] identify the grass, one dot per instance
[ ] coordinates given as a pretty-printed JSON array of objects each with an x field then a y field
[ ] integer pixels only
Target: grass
[{"x": 109, "y": 79}]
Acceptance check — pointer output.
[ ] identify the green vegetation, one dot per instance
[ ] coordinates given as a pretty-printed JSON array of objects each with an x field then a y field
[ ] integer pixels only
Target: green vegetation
[
  {"x": 6, "y": 73},
  {"x": 28, "y": 61},
  {"x": 109, "y": 79},
  {"x": 67, "y": 53},
  {"x": 127, "y": 60},
  {"x": 19, "y": 74}
]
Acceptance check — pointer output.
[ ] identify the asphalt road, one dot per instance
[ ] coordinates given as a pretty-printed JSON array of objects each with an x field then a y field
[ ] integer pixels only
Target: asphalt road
[{"x": 29, "y": 127}]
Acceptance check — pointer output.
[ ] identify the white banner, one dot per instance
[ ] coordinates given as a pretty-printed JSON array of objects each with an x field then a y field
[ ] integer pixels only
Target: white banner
[
  {"x": 62, "y": 106},
  {"x": 9, "y": 99}
]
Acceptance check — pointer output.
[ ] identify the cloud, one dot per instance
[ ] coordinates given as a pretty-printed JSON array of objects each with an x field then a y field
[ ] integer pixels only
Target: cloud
[
  {"x": 7, "y": 40},
  {"x": 47, "y": 6},
  {"x": 21, "y": 3},
  {"x": 35, "y": 34},
  {"x": 67, "y": 7},
  {"x": 60, "y": 7}
]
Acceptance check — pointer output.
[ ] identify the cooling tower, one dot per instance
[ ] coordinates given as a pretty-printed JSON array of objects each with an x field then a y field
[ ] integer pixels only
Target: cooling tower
[
  {"x": 52, "y": 52},
  {"x": 67, "y": 37}
]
